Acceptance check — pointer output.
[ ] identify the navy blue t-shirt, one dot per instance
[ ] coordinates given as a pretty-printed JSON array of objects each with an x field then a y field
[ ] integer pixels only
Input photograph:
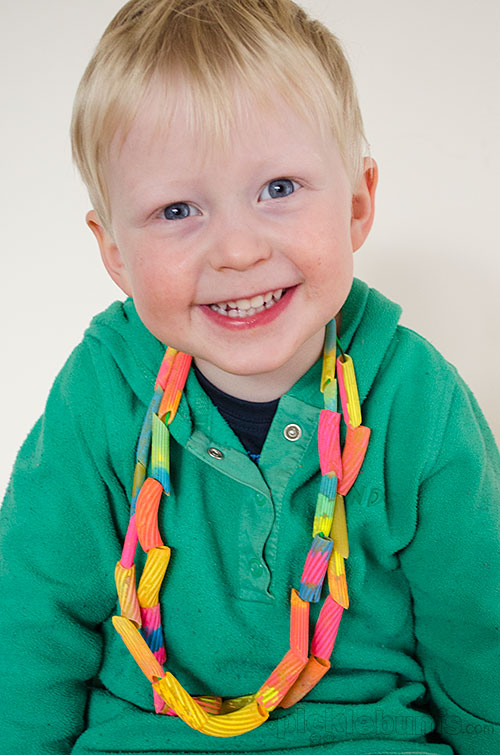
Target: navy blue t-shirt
[{"x": 249, "y": 420}]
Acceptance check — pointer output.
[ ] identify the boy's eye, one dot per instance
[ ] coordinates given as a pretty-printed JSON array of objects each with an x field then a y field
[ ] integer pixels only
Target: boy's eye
[
  {"x": 280, "y": 187},
  {"x": 179, "y": 210}
]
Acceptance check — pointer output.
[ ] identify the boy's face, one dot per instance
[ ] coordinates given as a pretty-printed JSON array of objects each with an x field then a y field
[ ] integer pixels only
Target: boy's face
[{"x": 238, "y": 255}]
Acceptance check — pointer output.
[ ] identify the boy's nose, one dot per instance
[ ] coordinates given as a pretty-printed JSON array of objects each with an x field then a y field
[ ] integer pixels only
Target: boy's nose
[{"x": 238, "y": 249}]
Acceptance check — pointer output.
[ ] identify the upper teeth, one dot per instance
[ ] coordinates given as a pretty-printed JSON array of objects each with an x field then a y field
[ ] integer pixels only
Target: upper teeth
[{"x": 245, "y": 307}]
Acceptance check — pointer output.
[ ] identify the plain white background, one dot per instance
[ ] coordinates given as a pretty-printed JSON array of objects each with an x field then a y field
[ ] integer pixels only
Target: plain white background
[{"x": 428, "y": 81}]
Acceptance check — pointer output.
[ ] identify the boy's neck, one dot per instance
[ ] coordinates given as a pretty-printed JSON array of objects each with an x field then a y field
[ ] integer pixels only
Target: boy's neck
[{"x": 266, "y": 386}]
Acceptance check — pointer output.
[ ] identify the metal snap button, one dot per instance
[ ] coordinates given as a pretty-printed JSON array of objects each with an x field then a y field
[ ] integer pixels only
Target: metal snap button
[
  {"x": 255, "y": 567},
  {"x": 215, "y": 453},
  {"x": 292, "y": 432}
]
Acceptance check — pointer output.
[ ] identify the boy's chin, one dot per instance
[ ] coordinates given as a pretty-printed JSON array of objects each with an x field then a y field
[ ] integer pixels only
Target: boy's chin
[{"x": 259, "y": 379}]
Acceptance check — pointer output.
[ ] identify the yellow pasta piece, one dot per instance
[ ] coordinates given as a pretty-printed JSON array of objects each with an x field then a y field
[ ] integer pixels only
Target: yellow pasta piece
[
  {"x": 337, "y": 581},
  {"x": 339, "y": 528},
  {"x": 152, "y": 576},
  {"x": 138, "y": 648}
]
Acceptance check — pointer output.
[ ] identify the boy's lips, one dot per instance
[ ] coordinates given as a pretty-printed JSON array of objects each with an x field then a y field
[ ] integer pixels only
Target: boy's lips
[{"x": 251, "y": 312}]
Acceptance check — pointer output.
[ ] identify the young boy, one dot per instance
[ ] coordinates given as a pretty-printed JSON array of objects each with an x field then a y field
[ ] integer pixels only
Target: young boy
[{"x": 222, "y": 144}]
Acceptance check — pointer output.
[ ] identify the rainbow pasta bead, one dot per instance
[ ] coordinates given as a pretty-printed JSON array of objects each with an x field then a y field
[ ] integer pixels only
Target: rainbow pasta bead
[
  {"x": 152, "y": 632},
  {"x": 328, "y": 486},
  {"x": 329, "y": 443},
  {"x": 330, "y": 395},
  {"x": 348, "y": 390},
  {"x": 325, "y": 504},
  {"x": 338, "y": 531},
  {"x": 356, "y": 443},
  {"x": 146, "y": 515},
  {"x": 315, "y": 569},
  {"x": 160, "y": 461},
  {"x": 144, "y": 442}
]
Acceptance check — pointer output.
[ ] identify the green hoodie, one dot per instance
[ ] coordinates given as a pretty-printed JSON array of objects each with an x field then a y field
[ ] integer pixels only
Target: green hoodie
[{"x": 415, "y": 666}]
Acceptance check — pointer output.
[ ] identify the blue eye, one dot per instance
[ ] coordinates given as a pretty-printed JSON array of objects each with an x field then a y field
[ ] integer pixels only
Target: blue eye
[
  {"x": 280, "y": 187},
  {"x": 179, "y": 210}
]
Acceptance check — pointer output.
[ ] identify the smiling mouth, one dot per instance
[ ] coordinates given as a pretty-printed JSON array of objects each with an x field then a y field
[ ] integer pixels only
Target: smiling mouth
[{"x": 242, "y": 308}]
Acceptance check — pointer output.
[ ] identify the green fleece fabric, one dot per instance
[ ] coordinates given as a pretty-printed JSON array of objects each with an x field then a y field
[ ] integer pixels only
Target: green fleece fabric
[{"x": 415, "y": 667}]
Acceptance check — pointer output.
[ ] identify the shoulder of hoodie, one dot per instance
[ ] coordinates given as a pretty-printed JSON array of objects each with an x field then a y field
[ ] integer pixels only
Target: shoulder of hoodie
[
  {"x": 391, "y": 354},
  {"x": 120, "y": 350},
  {"x": 106, "y": 383},
  {"x": 420, "y": 357},
  {"x": 428, "y": 386}
]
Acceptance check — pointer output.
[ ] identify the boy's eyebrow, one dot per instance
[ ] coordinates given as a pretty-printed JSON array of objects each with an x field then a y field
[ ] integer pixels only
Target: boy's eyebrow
[{"x": 271, "y": 167}]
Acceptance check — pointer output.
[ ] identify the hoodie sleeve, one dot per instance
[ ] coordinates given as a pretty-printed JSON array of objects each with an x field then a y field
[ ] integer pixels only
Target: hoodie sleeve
[
  {"x": 453, "y": 566},
  {"x": 55, "y": 526}
]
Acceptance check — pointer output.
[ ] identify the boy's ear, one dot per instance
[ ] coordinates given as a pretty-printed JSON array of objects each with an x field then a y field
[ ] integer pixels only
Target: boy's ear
[
  {"x": 363, "y": 203},
  {"x": 110, "y": 253}
]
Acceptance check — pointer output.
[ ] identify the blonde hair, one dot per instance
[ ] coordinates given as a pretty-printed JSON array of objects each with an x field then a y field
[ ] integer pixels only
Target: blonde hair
[{"x": 220, "y": 48}]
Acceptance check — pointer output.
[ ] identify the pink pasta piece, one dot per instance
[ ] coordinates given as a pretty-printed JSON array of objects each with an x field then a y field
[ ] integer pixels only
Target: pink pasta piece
[
  {"x": 299, "y": 624},
  {"x": 165, "y": 368},
  {"x": 326, "y": 629},
  {"x": 130, "y": 545},
  {"x": 356, "y": 443},
  {"x": 329, "y": 443},
  {"x": 161, "y": 655},
  {"x": 160, "y": 704}
]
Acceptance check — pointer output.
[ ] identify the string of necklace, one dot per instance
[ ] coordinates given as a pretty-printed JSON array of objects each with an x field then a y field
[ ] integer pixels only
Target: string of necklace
[{"x": 139, "y": 625}]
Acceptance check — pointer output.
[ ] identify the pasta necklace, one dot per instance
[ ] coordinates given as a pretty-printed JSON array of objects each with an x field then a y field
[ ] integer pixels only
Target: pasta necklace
[{"x": 140, "y": 622}]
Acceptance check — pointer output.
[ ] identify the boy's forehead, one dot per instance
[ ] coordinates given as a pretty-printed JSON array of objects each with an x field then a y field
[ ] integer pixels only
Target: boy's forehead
[{"x": 169, "y": 118}]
